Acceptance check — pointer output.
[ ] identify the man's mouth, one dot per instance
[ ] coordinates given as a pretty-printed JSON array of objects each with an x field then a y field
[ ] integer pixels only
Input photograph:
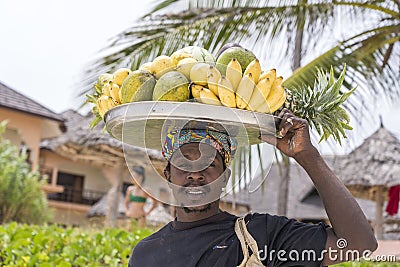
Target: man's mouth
[{"x": 194, "y": 191}]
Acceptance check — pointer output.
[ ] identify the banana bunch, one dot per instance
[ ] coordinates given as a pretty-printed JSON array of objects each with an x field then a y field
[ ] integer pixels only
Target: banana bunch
[
  {"x": 107, "y": 92},
  {"x": 104, "y": 103},
  {"x": 249, "y": 89}
]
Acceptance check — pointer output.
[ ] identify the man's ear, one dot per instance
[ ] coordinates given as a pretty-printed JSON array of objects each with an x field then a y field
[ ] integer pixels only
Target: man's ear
[{"x": 226, "y": 175}]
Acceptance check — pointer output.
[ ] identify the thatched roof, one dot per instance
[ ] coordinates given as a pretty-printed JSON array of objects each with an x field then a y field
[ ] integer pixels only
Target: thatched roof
[
  {"x": 303, "y": 199},
  {"x": 376, "y": 162},
  {"x": 94, "y": 146}
]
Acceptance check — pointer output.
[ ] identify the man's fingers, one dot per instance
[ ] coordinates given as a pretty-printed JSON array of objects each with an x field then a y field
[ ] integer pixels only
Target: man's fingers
[
  {"x": 288, "y": 121},
  {"x": 283, "y": 112},
  {"x": 270, "y": 139}
]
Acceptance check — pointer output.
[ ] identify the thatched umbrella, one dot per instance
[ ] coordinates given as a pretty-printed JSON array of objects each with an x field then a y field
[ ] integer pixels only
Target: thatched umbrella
[{"x": 373, "y": 167}]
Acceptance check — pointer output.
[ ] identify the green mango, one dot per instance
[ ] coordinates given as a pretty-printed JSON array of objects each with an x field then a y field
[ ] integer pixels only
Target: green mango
[
  {"x": 138, "y": 86},
  {"x": 172, "y": 86},
  {"x": 243, "y": 55}
]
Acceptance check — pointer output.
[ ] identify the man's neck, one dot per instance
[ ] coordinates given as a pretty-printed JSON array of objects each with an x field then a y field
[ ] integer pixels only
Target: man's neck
[{"x": 183, "y": 215}]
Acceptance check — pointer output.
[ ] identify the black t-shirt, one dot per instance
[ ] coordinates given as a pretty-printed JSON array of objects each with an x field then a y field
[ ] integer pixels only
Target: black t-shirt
[{"x": 213, "y": 242}]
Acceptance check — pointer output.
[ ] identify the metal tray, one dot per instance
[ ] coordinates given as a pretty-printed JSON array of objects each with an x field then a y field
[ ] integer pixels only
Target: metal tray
[{"x": 145, "y": 124}]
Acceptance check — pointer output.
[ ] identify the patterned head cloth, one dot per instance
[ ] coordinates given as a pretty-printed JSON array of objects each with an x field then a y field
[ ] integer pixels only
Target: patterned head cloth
[{"x": 222, "y": 142}]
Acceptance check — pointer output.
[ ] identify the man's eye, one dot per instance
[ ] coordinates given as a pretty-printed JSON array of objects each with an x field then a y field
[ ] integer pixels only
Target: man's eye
[{"x": 183, "y": 166}]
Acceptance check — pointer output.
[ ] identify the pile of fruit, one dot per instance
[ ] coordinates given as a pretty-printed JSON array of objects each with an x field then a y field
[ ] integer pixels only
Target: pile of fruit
[{"x": 234, "y": 79}]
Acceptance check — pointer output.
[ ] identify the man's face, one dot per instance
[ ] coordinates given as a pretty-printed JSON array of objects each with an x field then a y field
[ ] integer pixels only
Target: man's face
[{"x": 195, "y": 169}]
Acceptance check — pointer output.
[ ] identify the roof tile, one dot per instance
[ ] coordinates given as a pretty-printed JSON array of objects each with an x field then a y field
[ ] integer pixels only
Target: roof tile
[{"x": 12, "y": 99}]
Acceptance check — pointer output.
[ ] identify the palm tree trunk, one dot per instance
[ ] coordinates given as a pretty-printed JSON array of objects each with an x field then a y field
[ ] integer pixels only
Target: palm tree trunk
[
  {"x": 298, "y": 42},
  {"x": 283, "y": 187},
  {"x": 296, "y": 63}
]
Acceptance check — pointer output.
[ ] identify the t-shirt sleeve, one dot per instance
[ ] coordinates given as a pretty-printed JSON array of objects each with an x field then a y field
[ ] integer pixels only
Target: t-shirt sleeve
[{"x": 293, "y": 243}]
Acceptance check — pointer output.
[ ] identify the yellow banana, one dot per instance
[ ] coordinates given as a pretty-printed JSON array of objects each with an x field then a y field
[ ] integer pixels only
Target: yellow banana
[
  {"x": 195, "y": 89},
  {"x": 179, "y": 55},
  {"x": 120, "y": 95},
  {"x": 106, "y": 89},
  {"x": 255, "y": 69},
  {"x": 275, "y": 95},
  {"x": 100, "y": 109},
  {"x": 161, "y": 65},
  {"x": 102, "y": 80},
  {"x": 264, "y": 108},
  {"x": 234, "y": 73},
  {"x": 260, "y": 94},
  {"x": 198, "y": 73},
  {"x": 278, "y": 81},
  {"x": 146, "y": 66},
  {"x": 269, "y": 74},
  {"x": 213, "y": 77},
  {"x": 105, "y": 103},
  {"x": 120, "y": 74},
  {"x": 208, "y": 97},
  {"x": 279, "y": 103},
  {"x": 244, "y": 91},
  {"x": 114, "y": 92},
  {"x": 225, "y": 92},
  {"x": 185, "y": 65}
]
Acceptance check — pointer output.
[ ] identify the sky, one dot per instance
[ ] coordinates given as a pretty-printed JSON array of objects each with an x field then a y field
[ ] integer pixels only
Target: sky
[{"x": 45, "y": 46}]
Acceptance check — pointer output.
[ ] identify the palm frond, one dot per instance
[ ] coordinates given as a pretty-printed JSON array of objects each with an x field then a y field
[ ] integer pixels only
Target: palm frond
[
  {"x": 367, "y": 58},
  {"x": 161, "y": 6},
  {"x": 209, "y": 28}
]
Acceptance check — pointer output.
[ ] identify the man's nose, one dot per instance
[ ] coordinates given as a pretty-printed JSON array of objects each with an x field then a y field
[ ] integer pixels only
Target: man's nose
[{"x": 195, "y": 176}]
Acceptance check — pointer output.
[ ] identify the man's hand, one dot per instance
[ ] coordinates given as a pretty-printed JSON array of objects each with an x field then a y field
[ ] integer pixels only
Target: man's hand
[{"x": 293, "y": 135}]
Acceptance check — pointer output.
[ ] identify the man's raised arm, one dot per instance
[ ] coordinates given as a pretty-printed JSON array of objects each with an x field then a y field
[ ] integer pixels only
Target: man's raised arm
[{"x": 350, "y": 229}]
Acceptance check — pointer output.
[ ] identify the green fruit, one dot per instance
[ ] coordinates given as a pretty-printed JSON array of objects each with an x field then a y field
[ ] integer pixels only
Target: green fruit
[
  {"x": 172, "y": 86},
  {"x": 226, "y": 46},
  {"x": 198, "y": 53},
  {"x": 243, "y": 55},
  {"x": 138, "y": 86}
]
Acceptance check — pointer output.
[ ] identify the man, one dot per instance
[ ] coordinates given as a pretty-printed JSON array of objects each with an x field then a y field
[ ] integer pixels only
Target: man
[{"x": 203, "y": 235}]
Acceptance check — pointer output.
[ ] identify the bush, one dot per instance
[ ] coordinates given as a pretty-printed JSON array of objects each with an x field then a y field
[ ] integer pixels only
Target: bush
[
  {"x": 51, "y": 245},
  {"x": 21, "y": 197}
]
